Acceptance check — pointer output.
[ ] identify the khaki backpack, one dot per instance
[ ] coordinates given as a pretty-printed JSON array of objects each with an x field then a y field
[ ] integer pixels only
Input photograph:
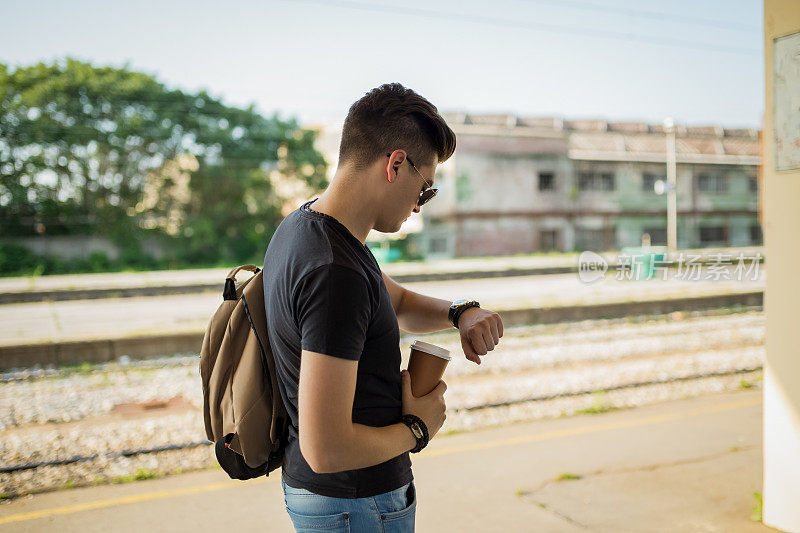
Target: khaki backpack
[{"x": 242, "y": 407}]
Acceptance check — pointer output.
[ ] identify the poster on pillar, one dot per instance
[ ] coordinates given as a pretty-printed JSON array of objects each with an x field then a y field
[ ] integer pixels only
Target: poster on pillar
[{"x": 786, "y": 98}]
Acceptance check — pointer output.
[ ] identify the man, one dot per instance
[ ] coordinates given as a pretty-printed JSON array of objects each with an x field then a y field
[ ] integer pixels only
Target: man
[{"x": 334, "y": 317}]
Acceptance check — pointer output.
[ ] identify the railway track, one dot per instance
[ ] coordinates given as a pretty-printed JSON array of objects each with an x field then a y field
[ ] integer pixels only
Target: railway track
[{"x": 67, "y": 426}]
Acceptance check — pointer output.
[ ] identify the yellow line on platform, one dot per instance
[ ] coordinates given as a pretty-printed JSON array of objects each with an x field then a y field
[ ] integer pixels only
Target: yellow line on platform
[
  {"x": 137, "y": 498},
  {"x": 134, "y": 498}
]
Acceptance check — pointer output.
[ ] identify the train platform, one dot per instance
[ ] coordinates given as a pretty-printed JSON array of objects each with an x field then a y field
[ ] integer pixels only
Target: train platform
[{"x": 683, "y": 465}]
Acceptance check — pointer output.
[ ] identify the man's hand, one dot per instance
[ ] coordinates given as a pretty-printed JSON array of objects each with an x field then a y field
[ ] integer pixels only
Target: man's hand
[{"x": 481, "y": 330}]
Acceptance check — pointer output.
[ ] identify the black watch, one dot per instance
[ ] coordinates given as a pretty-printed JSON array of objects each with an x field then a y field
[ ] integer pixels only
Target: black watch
[
  {"x": 458, "y": 307},
  {"x": 419, "y": 429}
]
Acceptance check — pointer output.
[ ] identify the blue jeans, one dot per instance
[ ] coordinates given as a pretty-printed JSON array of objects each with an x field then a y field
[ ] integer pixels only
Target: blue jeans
[{"x": 390, "y": 512}]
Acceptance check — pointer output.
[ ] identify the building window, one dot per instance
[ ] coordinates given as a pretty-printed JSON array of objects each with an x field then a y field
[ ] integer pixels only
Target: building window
[
  {"x": 755, "y": 234},
  {"x": 548, "y": 240},
  {"x": 713, "y": 235},
  {"x": 607, "y": 180},
  {"x": 437, "y": 245},
  {"x": 712, "y": 183},
  {"x": 753, "y": 184},
  {"x": 649, "y": 182},
  {"x": 589, "y": 239},
  {"x": 547, "y": 181},
  {"x": 585, "y": 181},
  {"x": 658, "y": 236},
  {"x": 591, "y": 181}
]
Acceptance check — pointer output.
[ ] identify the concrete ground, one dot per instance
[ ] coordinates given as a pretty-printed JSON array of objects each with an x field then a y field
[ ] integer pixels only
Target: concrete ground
[{"x": 687, "y": 465}]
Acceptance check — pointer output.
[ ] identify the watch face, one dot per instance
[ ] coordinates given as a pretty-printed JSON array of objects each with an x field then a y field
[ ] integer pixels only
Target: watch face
[
  {"x": 459, "y": 302},
  {"x": 416, "y": 430}
]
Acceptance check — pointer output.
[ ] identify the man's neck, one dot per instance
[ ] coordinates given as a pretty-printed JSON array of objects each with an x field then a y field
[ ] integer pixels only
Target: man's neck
[{"x": 334, "y": 202}]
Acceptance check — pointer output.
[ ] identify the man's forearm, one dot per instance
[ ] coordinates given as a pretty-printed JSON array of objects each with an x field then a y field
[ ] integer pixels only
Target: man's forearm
[
  {"x": 423, "y": 314},
  {"x": 368, "y": 446}
]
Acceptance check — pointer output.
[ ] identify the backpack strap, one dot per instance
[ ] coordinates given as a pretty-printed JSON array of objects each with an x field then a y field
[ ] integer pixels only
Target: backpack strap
[
  {"x": 252, "y": 268},
  {"x": 229, "y": 292},
  {"x": 268, "y": 370}
]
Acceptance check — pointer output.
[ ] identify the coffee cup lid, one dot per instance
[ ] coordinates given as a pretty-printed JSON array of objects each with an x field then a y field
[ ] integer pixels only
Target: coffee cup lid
[{"x": 432, "y": 349}]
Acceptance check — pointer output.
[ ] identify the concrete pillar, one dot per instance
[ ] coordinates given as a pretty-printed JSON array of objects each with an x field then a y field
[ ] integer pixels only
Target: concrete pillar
[{"x": 781, "y": 197}]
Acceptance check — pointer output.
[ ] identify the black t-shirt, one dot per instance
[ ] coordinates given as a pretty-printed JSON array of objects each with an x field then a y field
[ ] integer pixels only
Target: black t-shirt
[{"x": 324, "y": 293}]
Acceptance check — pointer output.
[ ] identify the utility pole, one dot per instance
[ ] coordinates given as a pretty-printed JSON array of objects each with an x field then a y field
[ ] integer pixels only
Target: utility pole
[{"x": 672, "y": 195}]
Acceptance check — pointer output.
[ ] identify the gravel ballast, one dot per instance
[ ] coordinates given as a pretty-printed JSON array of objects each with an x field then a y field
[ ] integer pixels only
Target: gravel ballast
[{"x": 66, "y": 413}]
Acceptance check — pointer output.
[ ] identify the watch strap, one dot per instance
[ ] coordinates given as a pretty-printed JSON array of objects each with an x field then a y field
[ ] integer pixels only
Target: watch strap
[
  {"x": 450, "y": 314},
  {"x": 421, "y": 441},
  {"x": 459, "y": 310}
]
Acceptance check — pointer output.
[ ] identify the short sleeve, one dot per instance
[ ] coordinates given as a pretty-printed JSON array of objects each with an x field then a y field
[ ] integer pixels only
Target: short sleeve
[{"x": 333, "y": 311}]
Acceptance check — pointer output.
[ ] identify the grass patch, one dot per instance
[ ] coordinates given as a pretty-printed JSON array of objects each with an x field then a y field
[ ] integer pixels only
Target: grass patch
[
  {"x": 567, "y": 476},
  {"x": 141, "y": 473},
  {"x": 82, "y": 368},
  {"x": 744, "y": 384},
  {"x": 454, "y": 431},
  {"x": 68, "y": 485},
  {"x": 5, "y": 496},
  {"x": 595, "y": 410},
  {"x": 145, "y": 370},
  {"x": 756, "y": 512},
  {"x": 600, "y": 406},
  {"x": 145, "y": 473}
]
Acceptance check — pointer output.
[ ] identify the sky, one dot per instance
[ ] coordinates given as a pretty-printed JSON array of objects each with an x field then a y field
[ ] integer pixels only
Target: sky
[{"x": 697, "y": 62}]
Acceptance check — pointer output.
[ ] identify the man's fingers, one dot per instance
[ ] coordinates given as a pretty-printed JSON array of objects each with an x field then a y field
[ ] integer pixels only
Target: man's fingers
[
  {"x": 478, "y": 343},
  {"x": 405, "y": 382},
  {"x": 469, "y": 352},
  {"x": 488, "y": 340},
  {"x": 495, "y": 334}
]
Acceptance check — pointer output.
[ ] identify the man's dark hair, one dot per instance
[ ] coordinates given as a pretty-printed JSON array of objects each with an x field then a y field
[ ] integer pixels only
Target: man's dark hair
[{"x": 392, "y": 117}]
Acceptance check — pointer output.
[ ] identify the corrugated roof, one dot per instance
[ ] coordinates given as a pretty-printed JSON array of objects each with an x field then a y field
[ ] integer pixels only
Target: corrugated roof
[
  {"x": 743, "y": 132},
  {"x": 715, "y": 131},
  {"x": 605, "y": 139},
  {"x": 510, "y": 144},
  {"x": 646, "y": 143},
  {"x": 555, "y": 123},
  {"x": 740, "y": 146},
  {"x": 492, "y": 120},
  {"x": 586, "y": 125},
  {"x": 593, "y": 141},
  {"x": 628, "y": 127},
  {"x": 696, "y": 145}
]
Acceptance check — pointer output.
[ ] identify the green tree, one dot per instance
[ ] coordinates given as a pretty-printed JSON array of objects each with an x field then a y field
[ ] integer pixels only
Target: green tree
[{"x": 108, "y": 151}]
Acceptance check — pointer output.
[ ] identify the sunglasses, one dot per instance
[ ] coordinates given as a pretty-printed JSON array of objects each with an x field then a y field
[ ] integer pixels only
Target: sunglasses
[{"x": 428, "y": 192}]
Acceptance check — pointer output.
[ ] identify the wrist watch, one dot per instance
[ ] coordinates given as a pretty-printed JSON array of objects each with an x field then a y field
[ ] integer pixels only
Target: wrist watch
[
  {"x": 419, "y": 429},
  {"x": 458, "y": 307}
]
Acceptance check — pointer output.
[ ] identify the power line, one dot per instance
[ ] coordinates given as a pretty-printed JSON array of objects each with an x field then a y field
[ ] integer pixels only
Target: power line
[
  {"x": 653, "y": 15},
  {"x": 534, "y": 26}
]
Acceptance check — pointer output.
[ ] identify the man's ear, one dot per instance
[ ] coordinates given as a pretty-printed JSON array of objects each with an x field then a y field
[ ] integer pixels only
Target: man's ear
[
  {"x": 391, "y": 170},
  {"x": 395, "y": 160}
]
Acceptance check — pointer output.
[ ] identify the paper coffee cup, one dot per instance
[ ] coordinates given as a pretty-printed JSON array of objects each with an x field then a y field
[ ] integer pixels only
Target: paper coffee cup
[{"x": 426, "y": 366}]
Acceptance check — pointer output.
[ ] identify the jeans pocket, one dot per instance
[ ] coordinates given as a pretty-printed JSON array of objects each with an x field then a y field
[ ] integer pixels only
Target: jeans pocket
[
  {"x": 335, "y": 523},
  {"x": 402, "y": 521}
]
